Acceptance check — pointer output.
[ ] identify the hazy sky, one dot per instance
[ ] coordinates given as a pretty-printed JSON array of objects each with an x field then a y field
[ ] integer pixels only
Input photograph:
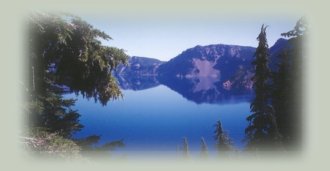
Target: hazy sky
[{"x": 166, "y": 38}]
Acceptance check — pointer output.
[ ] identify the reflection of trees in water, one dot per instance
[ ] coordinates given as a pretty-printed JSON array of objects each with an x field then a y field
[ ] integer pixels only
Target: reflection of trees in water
[{"x": 68, "y": 52}]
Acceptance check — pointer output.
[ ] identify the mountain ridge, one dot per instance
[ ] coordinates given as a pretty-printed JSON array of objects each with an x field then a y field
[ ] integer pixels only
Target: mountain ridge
[{"x": 225, "y": 66}]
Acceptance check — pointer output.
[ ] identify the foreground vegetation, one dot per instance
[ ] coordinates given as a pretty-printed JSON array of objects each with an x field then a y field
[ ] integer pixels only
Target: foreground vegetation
[
  {"x": 275, "y": 120},
  {"x": 66, "y": 54},
  {"x": 44, "y": 143}
]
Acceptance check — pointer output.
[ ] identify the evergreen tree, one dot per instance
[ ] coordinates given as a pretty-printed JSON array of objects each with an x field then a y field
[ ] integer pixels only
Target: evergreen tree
[
  {"x": 286, "y": 96},
  {"x": 54, "y": 114},
  {"x": 262, "y": 130},
  {"x": 66, "y": 51},
  {"x": 282, "y": 97},
  {"x": 223, "y": 143}
]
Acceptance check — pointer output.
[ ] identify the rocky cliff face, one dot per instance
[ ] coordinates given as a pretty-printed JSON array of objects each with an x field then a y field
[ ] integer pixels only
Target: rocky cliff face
[
  {"x": 220, "y": 64},
  {"x": 217, "y": 68},
  {"x": 141, "y": 66}
]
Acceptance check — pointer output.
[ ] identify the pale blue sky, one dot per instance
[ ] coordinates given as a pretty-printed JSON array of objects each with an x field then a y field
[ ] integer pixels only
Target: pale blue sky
[{"x": 165, "y": 38}]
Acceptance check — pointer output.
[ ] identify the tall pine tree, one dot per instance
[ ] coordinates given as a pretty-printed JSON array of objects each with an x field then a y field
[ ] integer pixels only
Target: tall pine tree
[{"x": 262, "y": 130}]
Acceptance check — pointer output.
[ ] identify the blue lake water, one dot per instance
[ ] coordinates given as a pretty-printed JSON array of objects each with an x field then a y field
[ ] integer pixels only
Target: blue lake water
[{"x": 158, "y": 118}]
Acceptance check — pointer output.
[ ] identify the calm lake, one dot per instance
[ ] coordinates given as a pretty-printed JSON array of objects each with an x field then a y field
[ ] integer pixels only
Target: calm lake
[{"x": 158, "y": 118}]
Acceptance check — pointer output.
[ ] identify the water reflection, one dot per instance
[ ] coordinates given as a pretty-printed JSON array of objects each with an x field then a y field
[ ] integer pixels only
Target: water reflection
[
  {"x": 158, "y": 118},
  {"x": 137, "y": 82},
  {"x": 200, "y": 90}
]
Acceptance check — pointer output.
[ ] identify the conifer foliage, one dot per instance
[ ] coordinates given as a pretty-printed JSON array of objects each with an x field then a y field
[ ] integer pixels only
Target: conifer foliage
[
  {"x": 66, "y": 54},
  {"x": 223, "y": 143},
  {"x": 262, "y": 129},
  {"x": 287, "y": 86}
]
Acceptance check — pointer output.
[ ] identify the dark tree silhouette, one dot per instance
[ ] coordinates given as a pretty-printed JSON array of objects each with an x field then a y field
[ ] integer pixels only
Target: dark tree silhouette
[
  {"x": 54, "y": 114},
  {"x": 223, "y": 143},
  {"x": 299, "y": 30},
  {"x": 262, "y": 130},
  {"x": 287, "y": 87},
  {"x": 65, "y": 51}
]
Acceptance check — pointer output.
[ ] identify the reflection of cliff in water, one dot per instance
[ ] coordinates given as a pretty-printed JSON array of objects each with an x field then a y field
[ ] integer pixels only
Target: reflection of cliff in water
[
  {"x": 206, "y": 90},
  {"x": 139, "y": 74},
  {"x": 137, "y": 82},
  {"x": 197, "y": 89}
]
